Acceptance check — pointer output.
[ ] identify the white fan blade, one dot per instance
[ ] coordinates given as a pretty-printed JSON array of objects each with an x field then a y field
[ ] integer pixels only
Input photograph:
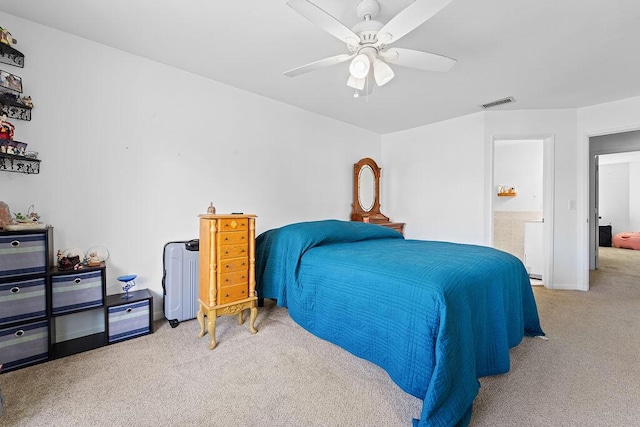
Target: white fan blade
[
  {"x": 325, "y": 21},
  {"x": 414, "y": 15},
  {"x": 323, "y": 63},
  {"x": 417, "y": 59}
]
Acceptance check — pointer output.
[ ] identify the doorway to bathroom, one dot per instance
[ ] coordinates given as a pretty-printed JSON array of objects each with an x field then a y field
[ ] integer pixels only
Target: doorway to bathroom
[{"x": 518, "y": 203}]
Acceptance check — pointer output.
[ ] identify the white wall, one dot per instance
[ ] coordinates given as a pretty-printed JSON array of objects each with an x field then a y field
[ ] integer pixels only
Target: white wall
[
  {"x": 439, "y": 176},
  {"x": 614, "y": 196},
  {"x": 133, "y": 150},
  {"x": 518, "y": 164},
  {"x": 560, "y": 125},
  {"x": 433, "y": 177}
]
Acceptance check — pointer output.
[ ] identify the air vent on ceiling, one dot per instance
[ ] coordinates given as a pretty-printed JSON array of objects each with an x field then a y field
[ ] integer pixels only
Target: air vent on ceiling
[{"x": 498, "y": 102}]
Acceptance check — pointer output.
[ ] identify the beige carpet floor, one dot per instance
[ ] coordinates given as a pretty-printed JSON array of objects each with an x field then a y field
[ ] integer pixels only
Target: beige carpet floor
[{"x": 586, "y": 374}]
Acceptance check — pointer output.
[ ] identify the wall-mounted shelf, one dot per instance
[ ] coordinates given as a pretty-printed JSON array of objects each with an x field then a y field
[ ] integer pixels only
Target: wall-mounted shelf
[
  {"x": 11, "y": 56},
  {"x": 14, "y": 109},
  {"x": 21, "y": 164},
  {"x": 508, "y": 194}
]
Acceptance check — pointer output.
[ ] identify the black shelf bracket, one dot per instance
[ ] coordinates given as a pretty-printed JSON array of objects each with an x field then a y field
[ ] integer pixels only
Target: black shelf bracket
[
  {"x": 11, "y": 56},
  {"x": 20, "y": 164}
]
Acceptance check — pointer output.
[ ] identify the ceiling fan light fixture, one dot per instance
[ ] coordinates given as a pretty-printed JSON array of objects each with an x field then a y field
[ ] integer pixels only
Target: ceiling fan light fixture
[
  {"x": 382, "y": 72},
  {"x": 355, "y": 83},
  {"x": 359, "y": 67}
]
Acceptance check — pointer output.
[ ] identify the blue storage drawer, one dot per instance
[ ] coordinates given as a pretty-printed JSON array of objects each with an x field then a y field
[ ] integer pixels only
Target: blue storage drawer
[
  {"x": 24, "y": 345},
  {"x": 76, "y": 291},
  {"x": 22, "y": 300},
  {"x": 22, "y": 254},
  {"x": 129, "y": 320}
]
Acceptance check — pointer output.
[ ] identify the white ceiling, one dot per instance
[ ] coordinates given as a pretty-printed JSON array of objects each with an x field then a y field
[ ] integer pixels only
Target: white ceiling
[{"x": 544, "y": 53}]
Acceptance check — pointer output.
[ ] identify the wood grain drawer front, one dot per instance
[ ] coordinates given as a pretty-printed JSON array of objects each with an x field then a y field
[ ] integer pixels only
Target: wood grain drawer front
[
  {"x": 23, "y": 254},
  {"x": 233, "y": 293},
  {"x": 129, "y": 320},
  {"x": 232, "y": 224},
  {"x": 233, "y": 239},
  {"x": 234, "y": 251},
  {"x": 24, "y": 345},
  {"x": 237, "y": 264},
  {"x": 235, "y": 278},
  {"x": 22, "y": 300},
  {"x": 76, "y": 291}
]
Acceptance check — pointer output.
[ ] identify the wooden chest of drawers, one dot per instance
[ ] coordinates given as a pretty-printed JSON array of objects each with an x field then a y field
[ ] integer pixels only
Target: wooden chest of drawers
[{"x": 227, "y": 270}]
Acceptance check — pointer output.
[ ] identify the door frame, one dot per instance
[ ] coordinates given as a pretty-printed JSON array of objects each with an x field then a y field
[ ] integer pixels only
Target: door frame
[
  {"x": 584, "y": 192},
  {"x": 593, "y": 194},
  {"x": 548, "y": 166}
]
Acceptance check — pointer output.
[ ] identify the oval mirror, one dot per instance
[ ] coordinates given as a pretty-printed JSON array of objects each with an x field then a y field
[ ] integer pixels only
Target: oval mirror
[{"x": 366, "y": 188}]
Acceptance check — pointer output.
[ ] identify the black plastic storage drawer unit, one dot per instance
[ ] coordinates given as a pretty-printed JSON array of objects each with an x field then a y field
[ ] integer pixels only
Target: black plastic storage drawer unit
[
  {"x": 24, "y": 344},
  {"x": 129, "y": 318},
  {"x": 23, "y": 254},
  {"x": 77, "y": 290},
  {"x": 22, "y": 300},
  {"x": 25, "y": 259}
]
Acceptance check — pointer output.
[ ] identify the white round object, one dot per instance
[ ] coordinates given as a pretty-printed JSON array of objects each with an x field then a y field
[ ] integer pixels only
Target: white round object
[
  {"x": 101, "y": 252},
  {"x": 359, "y": 67}
]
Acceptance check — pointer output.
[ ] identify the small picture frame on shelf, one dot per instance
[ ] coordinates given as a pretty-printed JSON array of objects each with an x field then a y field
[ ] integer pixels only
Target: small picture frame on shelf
[{"x": 10, "y": 81}]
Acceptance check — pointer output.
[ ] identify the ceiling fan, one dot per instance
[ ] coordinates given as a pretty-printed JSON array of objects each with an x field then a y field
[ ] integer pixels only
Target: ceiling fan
[{"x": 368, "y": 42}]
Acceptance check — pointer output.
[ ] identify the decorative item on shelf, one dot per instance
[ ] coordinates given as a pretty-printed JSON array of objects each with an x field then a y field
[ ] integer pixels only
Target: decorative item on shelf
[
  {"x": 20, "y": 221},
  {"x": 506, "y": 191},
  {"x": 5, "y": 214},
  {"x": 26, "y": 101},
  {"x": 6, "y": 37},
  {"x": 96, "y": 255},
  {"x": 7, "y": 128},
  {"x": 128, "y": 282},
  {"x": 211, "y": 209},
  {"x": 67, "y": 263},
  {"x": 16, "y": 148},
  {"x": 9, "y": 54},
  {"x": 70, "y": 259},
  {"x": 10, "y": 81}
]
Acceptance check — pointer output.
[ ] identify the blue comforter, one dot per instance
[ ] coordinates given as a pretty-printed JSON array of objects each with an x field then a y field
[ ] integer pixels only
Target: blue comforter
[{"x": 435, "y": 315}]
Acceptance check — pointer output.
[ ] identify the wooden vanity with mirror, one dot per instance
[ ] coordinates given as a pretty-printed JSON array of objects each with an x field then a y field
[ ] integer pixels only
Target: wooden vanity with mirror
[{"x": 366, "y": 196}]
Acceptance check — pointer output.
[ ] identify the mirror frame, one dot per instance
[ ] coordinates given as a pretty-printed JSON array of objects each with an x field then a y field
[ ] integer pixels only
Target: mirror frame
[{"x": 357, "y": 213}]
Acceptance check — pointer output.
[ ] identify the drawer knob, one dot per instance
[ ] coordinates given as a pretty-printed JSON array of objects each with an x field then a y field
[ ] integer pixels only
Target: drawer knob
[
  {"x": 15, "y": 290},
  {"x": 226, "y": 266},
  {"x": 226, "y": 252},
  {"x": 15, "y": 243},
  {"x": 129, "y": 310},
  {"x": 19, "y": 333},
  {"x": 242, "y": 292},
  {"x": 226, "y": 296},
  {"x": 77, "y": 280},
  {"x": 226, "y": 238}
]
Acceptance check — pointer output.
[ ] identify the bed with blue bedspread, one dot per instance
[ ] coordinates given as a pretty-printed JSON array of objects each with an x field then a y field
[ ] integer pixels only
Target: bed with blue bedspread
[{"x": 435, "y": 316}]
